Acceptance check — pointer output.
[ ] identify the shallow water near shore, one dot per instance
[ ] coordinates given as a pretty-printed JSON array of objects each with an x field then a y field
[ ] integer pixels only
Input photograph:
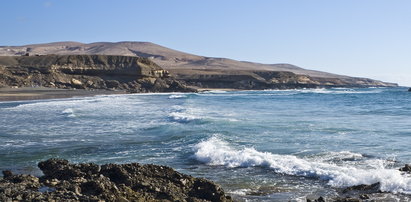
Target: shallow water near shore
[{"x": 273, "y": 145}]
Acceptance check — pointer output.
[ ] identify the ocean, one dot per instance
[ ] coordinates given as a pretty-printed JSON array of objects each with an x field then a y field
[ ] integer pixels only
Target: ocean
[{"x": 273, "y": 145}]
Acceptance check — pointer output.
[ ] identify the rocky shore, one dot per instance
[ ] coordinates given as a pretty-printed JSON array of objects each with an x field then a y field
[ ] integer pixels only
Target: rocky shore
[
  {"x": 63, "y": 181},
  {"x": 365, "y": 192}
]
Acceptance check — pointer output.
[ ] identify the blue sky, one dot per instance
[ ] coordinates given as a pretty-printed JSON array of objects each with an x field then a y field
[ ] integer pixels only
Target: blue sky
[{"x": 365, "y": 38}]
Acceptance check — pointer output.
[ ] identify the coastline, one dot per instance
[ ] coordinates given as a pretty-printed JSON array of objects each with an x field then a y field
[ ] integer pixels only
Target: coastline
[
  {"x": 42, "y": 93},
  {"x": 8, "y": 94}
]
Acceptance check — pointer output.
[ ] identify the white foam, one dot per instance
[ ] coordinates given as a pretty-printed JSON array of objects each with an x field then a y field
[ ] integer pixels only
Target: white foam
[
  {"x": 177, "y": 96},
  {"x": 338, "y": 156},
  {"x": 338, "y": 91},
  {"x": 240, "y": 192},
  {"x": 214, "y": 151},
  {"x": 214, "y": 91},
  {"x": 69, "y": 112},
  {"x": 324, "y": 91},
  {"x": 183, "y": 116}
]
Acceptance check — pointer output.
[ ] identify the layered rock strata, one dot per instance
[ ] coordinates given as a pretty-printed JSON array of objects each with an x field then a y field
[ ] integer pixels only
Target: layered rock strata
[{"x": 132, "y": 74}]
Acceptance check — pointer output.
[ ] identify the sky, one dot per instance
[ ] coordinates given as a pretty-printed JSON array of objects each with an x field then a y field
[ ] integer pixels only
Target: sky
[{"x": 363, "y": 38}]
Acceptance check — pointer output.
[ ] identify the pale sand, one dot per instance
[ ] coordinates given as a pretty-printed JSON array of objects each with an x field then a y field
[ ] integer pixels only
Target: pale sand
[{"x": 15, "y": 94}]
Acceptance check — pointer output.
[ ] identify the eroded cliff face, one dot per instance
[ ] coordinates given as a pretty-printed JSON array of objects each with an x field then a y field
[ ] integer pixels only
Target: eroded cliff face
[
  {"x": 194, "y": 68},
  {"x": 133, "y": 74},
  {"x": 259, "y": 80}
]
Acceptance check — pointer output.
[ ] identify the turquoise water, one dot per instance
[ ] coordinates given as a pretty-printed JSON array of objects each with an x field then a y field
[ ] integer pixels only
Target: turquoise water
[{"x": 259, "y": 145}]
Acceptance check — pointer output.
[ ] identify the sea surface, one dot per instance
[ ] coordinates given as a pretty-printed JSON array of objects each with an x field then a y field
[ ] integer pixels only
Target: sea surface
[{"x": 273, "y": 145}]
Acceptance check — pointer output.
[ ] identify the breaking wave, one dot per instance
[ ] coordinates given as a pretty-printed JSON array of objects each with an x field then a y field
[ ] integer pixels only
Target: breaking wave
[
  {"x": 182, "y": 116},
  {"x": 215, "y": 151}
]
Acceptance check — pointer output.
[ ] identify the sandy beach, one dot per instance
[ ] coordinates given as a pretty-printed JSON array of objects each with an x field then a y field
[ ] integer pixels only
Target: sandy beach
[{"x": 27, "y": 93}]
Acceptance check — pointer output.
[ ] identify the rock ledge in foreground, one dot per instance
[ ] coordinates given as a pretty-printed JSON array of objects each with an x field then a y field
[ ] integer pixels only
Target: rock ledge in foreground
[{"x": 63, "y": 181}]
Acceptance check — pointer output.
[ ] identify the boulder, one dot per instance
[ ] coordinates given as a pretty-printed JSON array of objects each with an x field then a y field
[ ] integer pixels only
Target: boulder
[
  {"x": 406, "y": 168},
  {"x": 364, "y": 188}
]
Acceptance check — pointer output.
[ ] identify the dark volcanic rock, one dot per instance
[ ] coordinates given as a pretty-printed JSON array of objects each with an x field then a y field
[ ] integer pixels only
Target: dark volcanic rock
[
  {"x": 363, "y": 188},
  {"x": 63, "y": 181},
  {"x": 409, "y": 90},
  {"x": 406, "y": 168},
  {"x": 341, "y": 199}
]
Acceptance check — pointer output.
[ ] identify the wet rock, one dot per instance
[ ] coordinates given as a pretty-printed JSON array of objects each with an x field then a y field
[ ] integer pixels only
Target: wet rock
[
  {"x": 7, "y": 173},
  {"x": 406, "y": 168},
  {"x": 363, "y": 188},
  {"x": 320, "y": 199},
  {"x": 348, "y": 199},
  {"x": 338, "y": 199},
  {"x": 63, "y": 181},
  {"x": 409, "y": 90},
  {"x": 364, "y": 196},
  {"x": 358, "y": 193},
  {"x": 112, "y": 84}
]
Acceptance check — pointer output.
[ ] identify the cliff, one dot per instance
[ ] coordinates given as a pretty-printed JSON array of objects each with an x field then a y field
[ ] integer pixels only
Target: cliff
[
  {"x": 204, "y": 72},
  {"x": 259, "y": 80},
  {"x": 133, "y": 74}
]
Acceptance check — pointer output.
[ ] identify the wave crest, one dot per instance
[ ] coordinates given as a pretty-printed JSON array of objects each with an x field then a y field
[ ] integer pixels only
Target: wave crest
[{"x": 215, "y": 151}]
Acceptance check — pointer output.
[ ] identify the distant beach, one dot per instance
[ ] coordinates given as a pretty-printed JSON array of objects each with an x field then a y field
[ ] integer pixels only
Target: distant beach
[{"x": 39, "y": 93}]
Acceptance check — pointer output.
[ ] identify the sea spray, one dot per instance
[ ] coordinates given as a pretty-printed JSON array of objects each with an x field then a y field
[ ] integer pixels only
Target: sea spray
[{"x": 215, "y": 151}]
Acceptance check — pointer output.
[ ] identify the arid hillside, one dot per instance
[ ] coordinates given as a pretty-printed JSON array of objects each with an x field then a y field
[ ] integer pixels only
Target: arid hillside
[{"x": 200, "y": 71}]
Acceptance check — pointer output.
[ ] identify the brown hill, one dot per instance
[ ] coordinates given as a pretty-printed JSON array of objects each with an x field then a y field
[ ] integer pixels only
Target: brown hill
[{"x": 199, "y": 70}]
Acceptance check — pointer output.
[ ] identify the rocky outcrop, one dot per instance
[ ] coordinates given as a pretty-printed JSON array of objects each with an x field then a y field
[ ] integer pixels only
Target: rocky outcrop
[
  {"x": 63, "y": 181},
  {"x": 406, "y": 168},
  {"x": 356, "y": 193},
  {"x": 259, "y": 80},
  {"x": 132, "y": 74},
  {"x": 409, "y": 90}
]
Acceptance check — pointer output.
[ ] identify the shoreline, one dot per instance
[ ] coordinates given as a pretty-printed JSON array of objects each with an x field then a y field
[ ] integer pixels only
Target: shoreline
[
  {"x": 42, "y": 93},
  {"x": 9, "y": 94},
  {"x": 62, "y": 180}
]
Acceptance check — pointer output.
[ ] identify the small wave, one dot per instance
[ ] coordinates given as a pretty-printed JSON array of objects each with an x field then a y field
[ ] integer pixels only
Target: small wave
[
  {"x": 215, "y": 151},
  {"x": 323, "y": 91},
  {"x": 240, "y": 192},
  {"x": 176, "y": 96},
  {"x": 339, "y": 91},
  {"x": 339, "y": 156},
  {"x": 69, "y": 112},
  {"x": 215, "y": 91},
  {"x": 182, "y": 116}
]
